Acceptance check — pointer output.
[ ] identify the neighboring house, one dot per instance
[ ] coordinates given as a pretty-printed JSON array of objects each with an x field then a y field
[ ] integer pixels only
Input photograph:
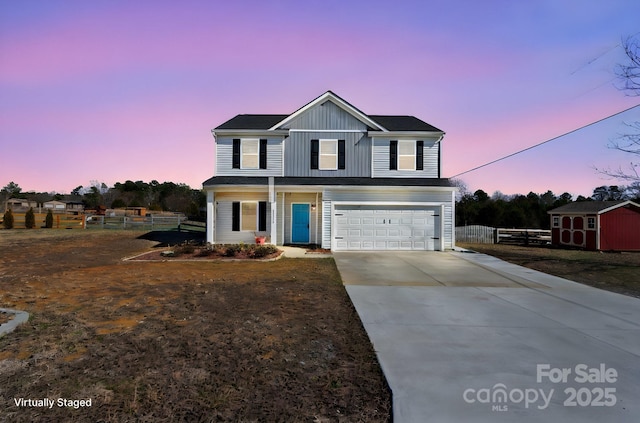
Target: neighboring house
[
  {"x": 63, "y": 206},
  {"x": 55, "y": 206},
  {"x": 597, "y": 225},
  {"x": 19, "y": 205},
  {"x": 331, "y": 175}
]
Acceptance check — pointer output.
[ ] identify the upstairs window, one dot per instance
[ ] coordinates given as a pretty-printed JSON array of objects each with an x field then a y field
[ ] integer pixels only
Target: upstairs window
[
  {"x": 249, "y": 153},
  {"x": 328, "y": 154},
  {"x": 406, "y": 155}
]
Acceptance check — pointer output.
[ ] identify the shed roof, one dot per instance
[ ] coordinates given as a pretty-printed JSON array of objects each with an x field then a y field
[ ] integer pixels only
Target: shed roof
[{"x": 591, "y": 207}]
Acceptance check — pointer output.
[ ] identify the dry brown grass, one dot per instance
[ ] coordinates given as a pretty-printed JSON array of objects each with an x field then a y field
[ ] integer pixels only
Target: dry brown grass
[
  {"x": 617, "y": 272},
  {"x": 179, "y": 341}
]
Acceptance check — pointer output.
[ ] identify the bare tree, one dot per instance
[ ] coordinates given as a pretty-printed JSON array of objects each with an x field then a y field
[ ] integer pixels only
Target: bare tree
[{"x": 629, "y": 142}]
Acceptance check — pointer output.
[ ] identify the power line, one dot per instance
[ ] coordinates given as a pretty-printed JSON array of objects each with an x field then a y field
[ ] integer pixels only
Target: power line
[{"x": 547, "y": 141}]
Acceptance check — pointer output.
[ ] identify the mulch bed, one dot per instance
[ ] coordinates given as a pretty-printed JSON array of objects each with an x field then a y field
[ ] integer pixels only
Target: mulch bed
[{"x": 197, "y": 255}]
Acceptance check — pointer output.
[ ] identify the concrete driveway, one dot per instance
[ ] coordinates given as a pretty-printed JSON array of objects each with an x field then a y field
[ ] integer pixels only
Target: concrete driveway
[{"x": 467, "y": 337}]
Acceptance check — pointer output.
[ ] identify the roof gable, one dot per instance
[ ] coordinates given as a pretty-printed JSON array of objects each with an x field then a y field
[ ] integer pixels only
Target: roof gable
[{"x": 330, "y": 96}]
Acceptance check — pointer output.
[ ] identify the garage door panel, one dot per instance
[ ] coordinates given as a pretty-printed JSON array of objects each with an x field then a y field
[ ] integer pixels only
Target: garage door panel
[{"x": 367, "y": 227}]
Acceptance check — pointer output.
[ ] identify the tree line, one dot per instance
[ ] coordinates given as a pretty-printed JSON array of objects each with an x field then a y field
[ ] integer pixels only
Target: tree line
[
  {"x": 528, "y": 211},
  {"x": 155, "y": 196}
]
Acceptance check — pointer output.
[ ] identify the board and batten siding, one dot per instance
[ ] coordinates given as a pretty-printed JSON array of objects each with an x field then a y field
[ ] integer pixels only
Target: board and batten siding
[
  {"x": 224, "y": 217},
  {"x": 437, "y": 197},
  {"x": 326, "y": 116},
  {"x": 381, "y": 160},
  {"x": 224, "y": 158},
  {"x": 297, "y": 154}
]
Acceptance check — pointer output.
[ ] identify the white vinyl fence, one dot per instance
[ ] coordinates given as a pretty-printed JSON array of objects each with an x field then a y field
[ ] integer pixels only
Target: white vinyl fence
[{"x": 478, "y": 234}]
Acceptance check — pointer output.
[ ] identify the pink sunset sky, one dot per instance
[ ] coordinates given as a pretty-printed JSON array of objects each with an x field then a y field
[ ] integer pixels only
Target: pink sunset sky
[{"x": 118, "y": 90}]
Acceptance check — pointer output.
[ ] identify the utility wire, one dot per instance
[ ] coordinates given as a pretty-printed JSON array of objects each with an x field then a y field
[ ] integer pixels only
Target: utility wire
[{"x": 547, "y": 141}]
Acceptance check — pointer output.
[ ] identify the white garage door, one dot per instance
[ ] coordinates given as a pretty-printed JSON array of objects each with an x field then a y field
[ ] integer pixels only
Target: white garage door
[{"x": 388, "y": 228}]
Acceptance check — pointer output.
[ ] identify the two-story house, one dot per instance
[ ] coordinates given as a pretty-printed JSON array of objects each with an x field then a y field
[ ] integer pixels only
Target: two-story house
[{"x": 331, "y": 175}]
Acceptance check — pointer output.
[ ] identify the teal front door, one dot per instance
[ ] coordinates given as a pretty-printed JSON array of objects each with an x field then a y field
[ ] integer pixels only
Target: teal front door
[{"x": 300, "y": 223}]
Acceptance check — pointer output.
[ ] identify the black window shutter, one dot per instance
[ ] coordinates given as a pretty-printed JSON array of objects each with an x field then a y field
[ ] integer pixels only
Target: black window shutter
[
  {"x": 236, "y": 153},
  {"x": 340, "y": 154},
  {"x": 315, "y": 151},
  {"x": 393, "y": 155},
  {"x": 419, "y": 155},
  {"x": 263, "y": 154},
  {"x": 262, "y": 216},
  {"x": 235, "y": 216}
]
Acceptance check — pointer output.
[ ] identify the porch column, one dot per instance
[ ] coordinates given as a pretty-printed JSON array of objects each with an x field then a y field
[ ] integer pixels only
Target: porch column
[
  {"x": 274, "y": 208},
  {"x": 211, "y": 218}
]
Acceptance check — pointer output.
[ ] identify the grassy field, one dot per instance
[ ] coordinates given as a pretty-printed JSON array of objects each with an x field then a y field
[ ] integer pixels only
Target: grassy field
[
  {"x": 617, "y": 272},
  {"x": 179, "y": 341}
]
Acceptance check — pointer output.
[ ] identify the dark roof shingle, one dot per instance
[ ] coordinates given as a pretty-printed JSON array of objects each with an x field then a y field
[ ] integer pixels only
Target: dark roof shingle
[{"x": 585, "y": 207}]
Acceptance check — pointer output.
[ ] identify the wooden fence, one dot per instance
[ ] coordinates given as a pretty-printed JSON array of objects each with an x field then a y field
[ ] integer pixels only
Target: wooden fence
[
  {"x": 150, "y": 222},
  {"x": 478, "y": 234},
  {"x": 68, "y": 221},
  {"x": 60, "y": 221}
]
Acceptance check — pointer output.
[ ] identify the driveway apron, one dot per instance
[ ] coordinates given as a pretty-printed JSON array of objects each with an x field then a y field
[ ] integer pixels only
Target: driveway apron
[{"x": 465, "y": 337}]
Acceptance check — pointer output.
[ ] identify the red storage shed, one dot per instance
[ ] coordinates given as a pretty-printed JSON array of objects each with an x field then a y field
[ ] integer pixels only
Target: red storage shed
[{"x": 597, "y": 225}]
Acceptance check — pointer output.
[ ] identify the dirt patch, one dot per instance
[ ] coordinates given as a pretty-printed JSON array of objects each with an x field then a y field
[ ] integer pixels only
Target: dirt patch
[
  {"x": 180, "y": 341},
  {"x": 617, "y": 272}
]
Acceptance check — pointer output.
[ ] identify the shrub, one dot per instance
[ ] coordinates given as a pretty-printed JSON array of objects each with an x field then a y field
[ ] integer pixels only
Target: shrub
[
  {"x": 232, "y": 250},
  {"x": 184, "y": 249},
  {"x": 263, "y": 250},
  {"x": 48, "y": 221},
  {"x": 30, "y": 219},
  {"x": 8, "y": 219}
]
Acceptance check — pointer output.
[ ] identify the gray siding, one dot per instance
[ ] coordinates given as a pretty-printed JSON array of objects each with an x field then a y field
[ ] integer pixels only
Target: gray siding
[
  {"x": 298, "y": 154},
  {"x": 224, "y": 158},
  {"x": 224, "y": 217},
  {"x": 326, "y": 116},
  {"x": 381, "y": 161}
]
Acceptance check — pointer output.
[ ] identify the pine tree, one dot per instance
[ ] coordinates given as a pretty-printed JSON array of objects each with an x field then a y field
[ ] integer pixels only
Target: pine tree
[
  {"x": 30, "y": 219},
  {"x": 8, "y": 219},
  {"x": 48, "y": 221}
]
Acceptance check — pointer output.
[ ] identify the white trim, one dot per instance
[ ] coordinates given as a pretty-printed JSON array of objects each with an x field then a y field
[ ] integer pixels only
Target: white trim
[
  {"x": 415, "y": 153},
  {"x": 617, "y": 206},
  {"x": 411, "y": 134},
  {"x": 598, "y": 229},
  {"x": 329, "y": 96},
  {"x": 316, "y": 211},
  {"x": 211, "y": 217},
  {"x": 246, "y": 141},
  {"x": 291, "y": 223},
  {"x": 326, "y": 141}
]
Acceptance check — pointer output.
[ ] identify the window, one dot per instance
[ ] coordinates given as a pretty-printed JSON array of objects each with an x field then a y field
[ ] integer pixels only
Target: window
[
  {"x": 249, "y": 153},
  {"x": 406, "y": 155},
  {"x": 556, "y": 221},
  {"x": 328, "y": 155},
  {"x": 591, "y": 222},
  {"x": 249, "y": 216}
]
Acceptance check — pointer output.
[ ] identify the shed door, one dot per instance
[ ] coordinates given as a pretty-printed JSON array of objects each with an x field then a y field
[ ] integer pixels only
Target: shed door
[{"x": 388, "y": 228}]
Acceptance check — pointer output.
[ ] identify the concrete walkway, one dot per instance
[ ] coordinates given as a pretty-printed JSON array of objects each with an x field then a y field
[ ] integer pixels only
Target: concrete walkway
[
  {"x": 298, "y": 252},
  {"x": 467, "y": 337}
]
